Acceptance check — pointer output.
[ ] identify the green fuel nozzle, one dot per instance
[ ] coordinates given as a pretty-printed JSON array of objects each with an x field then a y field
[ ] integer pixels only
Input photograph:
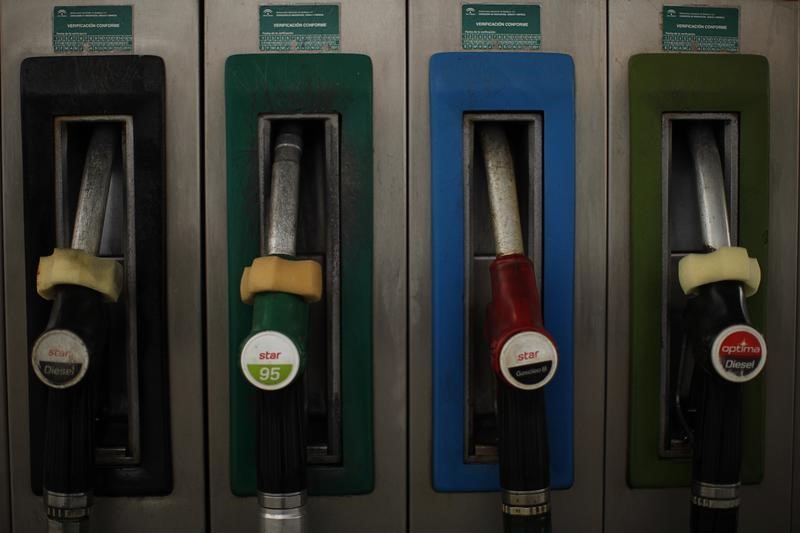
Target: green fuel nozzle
[{"x": 273, "y": 355}]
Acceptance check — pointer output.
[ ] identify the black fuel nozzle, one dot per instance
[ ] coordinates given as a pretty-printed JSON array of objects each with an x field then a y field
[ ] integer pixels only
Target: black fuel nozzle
[
  {"x": 524, "y": 355},
  {"x": 721, "y": 348},
  {"x": 76, "y": 333}
]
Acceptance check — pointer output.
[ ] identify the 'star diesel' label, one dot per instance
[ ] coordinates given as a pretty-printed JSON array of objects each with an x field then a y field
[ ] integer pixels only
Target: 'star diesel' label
[
  {"x": 528, "y": 360},
  {"x": 59, "y": 358},
  {"x": 739, "y": 353}
]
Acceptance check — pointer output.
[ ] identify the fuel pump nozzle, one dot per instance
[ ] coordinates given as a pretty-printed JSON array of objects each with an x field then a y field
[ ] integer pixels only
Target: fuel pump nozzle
[
  {"x": 273, "y": 356},
  {"x": 524, "y": 355},
  {"x": 78, "y": 283},
  {"x": 725, "y": 349}
]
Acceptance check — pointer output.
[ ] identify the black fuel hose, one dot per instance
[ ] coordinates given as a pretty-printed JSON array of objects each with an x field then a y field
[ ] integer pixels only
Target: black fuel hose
[{"x": 717, "y": 439}]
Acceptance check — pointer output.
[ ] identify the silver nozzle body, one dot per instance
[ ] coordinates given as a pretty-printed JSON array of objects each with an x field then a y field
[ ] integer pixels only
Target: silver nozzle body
[
  {"x": 285, "y": 191},
  {"x": 95, "y": 183},
  {"x": 503, "y": 204},
  {"x": 710, "y": 186}
]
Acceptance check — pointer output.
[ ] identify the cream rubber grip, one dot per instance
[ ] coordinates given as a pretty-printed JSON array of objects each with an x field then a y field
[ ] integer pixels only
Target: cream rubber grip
[
  {"x": 724, "y": 264},
  {"x": 275, "y": 274},
  {"x": 68, "y": 266}
]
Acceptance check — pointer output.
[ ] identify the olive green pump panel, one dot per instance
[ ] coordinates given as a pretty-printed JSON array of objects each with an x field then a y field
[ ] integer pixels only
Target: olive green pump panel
[
  {"x": 661, "y": 83},
  {"x": 288, "y": 84}
]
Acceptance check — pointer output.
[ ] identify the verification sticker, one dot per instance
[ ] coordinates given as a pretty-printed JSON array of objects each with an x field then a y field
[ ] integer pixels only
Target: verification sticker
[
  {"x": 270, "y": 360},
  {"x": 528, "y": 360},
  {"x": 739, "y": 353},
  {"x": 298, "y": 27},
  {"x": 92, "y": 29},
  {"x": 500, "y": 27},
  {"x": 59, "y": 358},
  {"x": 700, "y": 29}
]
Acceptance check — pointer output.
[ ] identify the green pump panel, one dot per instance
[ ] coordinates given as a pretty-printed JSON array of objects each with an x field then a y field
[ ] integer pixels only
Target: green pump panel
[
  {"x": 731, "y": 92},
  {"x": 330, "y": 96}
]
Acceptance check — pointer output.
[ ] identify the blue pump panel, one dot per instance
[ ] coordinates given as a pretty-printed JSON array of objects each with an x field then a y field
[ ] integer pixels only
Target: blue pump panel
[{"x": 503, "y": 82}]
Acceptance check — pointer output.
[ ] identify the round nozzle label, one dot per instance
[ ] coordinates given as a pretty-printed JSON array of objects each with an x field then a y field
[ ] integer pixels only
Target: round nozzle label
[
  {"x": 739, "y": 353},
  {"x": 270, "y": 360},
  {"x": 59, "y": 358},
  {"x": 528, "y": 360}
]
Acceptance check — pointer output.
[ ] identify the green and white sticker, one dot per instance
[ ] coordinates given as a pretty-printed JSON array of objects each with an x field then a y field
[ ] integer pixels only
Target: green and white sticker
[
  {"x": 92, "y": 29},
  {"x": 501, "y": 27},
  {"x": 270, "y": 360},
  {"x": 298, "y": 27},
  {"x": 700, "y": 29}
]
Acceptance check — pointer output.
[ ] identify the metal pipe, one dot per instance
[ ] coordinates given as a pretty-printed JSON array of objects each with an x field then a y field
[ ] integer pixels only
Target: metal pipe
[
  {"x": 710, "y": 186},
  {"x": 285, "y": 191},
  {"x": 95, "y": 183},
  {"x": 283, "y": 513},
  {"x": 67, "y": 513},
  {"x": 503, "y": 205}
]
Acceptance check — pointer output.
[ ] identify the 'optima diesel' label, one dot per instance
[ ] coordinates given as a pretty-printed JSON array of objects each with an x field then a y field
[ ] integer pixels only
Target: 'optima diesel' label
[
  {"x": 528, "y": 360},
  {"x": 739, "y": 353},
  {"x": 59, "y": 358},
  {"x": 270, "y": 360}
]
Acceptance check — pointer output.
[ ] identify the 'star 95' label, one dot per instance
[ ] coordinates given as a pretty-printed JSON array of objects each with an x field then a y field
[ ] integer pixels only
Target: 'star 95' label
[
  {"x": 528, "y": 360},
  {"x": 60, "y": 358},
  {"x": 270, "y": 360},
  {"x": 739, "y": 353}
]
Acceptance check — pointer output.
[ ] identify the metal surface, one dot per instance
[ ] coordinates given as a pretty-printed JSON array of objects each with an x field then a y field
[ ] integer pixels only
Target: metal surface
[
  {"x": 93, "y": 195},
  {"x": 716, "y": 491},
  {"x": 171, "y": 32},
  {"x": 285, "y": 191},
  {"x": 710, "y": 187},
  {"x": 232, "y": 30},
  {"x": 283, "y": 520},
  {"x": 323, "y": 392},
  {"x": 770, "y": 29},
  {"x": 282, "y": 513},
  {"x": 67, "y": 513},
  {"x": 502, "y": 190},
  {"x": 577, "y": 28},
  {"x": 479, "y": 252},
  {"x": 528, "y": 498}
]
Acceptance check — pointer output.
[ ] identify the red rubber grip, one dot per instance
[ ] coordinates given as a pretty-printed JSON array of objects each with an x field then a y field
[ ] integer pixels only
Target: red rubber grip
[{"x": 515, "y": 304}]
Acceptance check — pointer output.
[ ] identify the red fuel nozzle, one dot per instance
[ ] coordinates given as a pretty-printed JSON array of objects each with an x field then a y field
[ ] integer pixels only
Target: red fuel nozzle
[{"x": 524, "y": 354}]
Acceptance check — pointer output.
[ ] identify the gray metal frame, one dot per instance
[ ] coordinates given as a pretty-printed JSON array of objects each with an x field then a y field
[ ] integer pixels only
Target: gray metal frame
[
  {"x": 769, "y": 29},
  {"x": 169, "y": 30},
  {"x": 579, "y": 29},
  {"x": 234, "y": 30}
]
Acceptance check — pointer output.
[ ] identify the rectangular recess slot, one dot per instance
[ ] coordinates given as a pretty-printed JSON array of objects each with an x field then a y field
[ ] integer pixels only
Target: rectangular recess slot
[
  {"x": 117, "y": 423},
  {"x": 525, "y": 134},
  {"x": 680, "y": 215},
  {"x": 318, "y": 238}
]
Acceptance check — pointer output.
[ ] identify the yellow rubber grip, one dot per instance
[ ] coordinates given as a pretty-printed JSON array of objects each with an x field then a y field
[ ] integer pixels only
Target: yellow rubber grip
[
  {"x": 275, "y": 274},
  {"x": 76, "y": 267},
  {"x": 725, "y": 264}
]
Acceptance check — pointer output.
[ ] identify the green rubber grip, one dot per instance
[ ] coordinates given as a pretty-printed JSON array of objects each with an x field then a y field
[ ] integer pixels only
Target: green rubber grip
[{"x": 284, "y": 313}]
